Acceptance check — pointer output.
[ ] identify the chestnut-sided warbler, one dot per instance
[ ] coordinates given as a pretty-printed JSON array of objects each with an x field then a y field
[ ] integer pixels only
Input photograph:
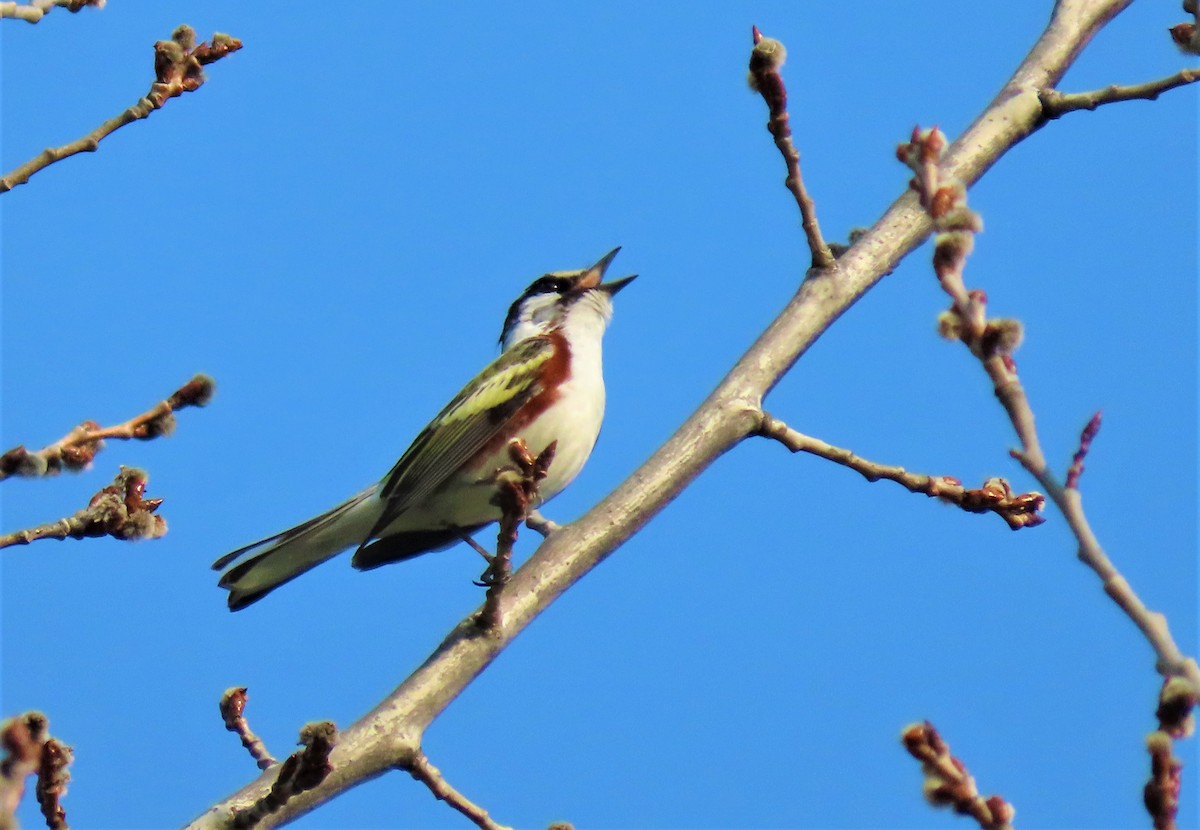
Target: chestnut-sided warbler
[{"x": 545, "y": 386}]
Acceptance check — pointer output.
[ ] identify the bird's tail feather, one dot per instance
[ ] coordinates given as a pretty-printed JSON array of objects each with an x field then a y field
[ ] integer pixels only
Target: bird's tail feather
[{"x": 284, "y": 556}]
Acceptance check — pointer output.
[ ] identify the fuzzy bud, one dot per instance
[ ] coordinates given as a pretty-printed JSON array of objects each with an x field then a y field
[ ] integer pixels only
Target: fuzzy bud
[
  {"x": 162, "y": 425},
  {"x": 1186, "y": 37},
  {"x": 1002, "y": 336},
  {"x": 1176, "y": 708},
  {"x": 1002, "y": 812},
  {"x": 233, "y": 705},
  {"x": 196, "y": 392},
  {"x": 185, "y": 36},
  {"x": 949, "y": 325},
  {"x": 767, "y": 57}
]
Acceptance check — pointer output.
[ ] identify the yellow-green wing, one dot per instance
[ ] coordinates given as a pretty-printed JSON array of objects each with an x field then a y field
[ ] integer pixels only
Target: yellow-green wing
[{"x": 468, "y": 422}]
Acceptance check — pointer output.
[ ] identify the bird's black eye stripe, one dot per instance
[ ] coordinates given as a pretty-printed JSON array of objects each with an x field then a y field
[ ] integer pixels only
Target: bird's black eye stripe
[{"x": 548, "y": 284}]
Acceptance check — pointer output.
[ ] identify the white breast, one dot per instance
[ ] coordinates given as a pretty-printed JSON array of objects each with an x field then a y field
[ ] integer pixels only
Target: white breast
[{"x": 573, "y": 420}]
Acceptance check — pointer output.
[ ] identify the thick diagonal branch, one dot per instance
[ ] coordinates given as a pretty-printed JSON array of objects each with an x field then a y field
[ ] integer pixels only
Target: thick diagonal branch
[{"x": 730, "y": 414}]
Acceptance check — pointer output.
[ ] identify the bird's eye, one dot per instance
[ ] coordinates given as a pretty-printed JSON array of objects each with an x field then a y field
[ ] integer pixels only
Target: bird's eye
[{"x": 549, "y": 285}]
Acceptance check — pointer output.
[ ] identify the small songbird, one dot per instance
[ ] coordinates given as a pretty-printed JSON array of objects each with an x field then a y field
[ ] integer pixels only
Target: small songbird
[{"x": 546, "y": 386}]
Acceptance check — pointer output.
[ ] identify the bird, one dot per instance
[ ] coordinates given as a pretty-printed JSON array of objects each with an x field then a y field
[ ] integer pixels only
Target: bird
[{"x": 546, "y": 387}]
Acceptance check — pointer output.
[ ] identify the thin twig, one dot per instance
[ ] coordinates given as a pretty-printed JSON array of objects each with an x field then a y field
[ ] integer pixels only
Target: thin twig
[
  {"x": 177, "y": 67},
  {"x": 34, "y": 12},
  {"x": 421, "y": 769},
  {"x": 992, "y": 342},
  {"x": 947, "y": 782},
  {"x": 766, "y": 59},
  {"x": 995, "y": 496},
  {"x": 541, "y": 525},
  {"x": 233, "y": 706},
  {"x": 117, "y": 510},
  {"x": 52, "y": 782},
  {"x": 1056, "y": 104},
  {"x": 1176, "y": 719},
  {"x": 1161, "y": 793},
  {"x": 77, "y": 449},
  {"x": 516, "y": 490},
  {"x": 304, "y": 769},
  {"x": 1171, "y": 662}
]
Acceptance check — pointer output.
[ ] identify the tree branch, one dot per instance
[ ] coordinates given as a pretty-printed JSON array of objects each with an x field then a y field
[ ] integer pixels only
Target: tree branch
[
  {"x": 34, "y": 12},
  {"x": 766, "y": 59},
  {"x": 947, "y": 782},
  {"x": 995, "y": 496},
  {"x": 117, "y": 510},
  {"x": 304, "y": 769},
  {"x": 1056, "y": 104},
  {"x": 992, "y": 342},
  {"x": 429, "y": 775},
  {"x": 233, "y": 708},
  {"x": 177, "y": 67},
  {"x": 516, "y": 489},
  {"x": 77, "y": 449}
]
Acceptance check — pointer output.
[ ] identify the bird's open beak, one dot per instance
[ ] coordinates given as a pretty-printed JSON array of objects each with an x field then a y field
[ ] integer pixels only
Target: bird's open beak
[
  {"x": 592, "y": 276},
  {"x": 616, "y": 285}
]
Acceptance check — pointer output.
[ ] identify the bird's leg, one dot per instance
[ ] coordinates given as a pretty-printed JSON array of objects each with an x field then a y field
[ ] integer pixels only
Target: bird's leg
[
  {"x": 516, "y": 490},
  {"x": 470, "y": 540}
]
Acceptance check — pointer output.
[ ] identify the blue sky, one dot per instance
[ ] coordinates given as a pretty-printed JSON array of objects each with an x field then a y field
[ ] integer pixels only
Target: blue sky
[{"x": 333, "y": 227}]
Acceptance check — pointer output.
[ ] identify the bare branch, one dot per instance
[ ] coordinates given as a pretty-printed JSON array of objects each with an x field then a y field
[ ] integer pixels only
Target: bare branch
[
  {"x": 540, "y": 524},
  {"x": 77, "y": 449},
  {"x": 233, "y": 706},
  {"x": 766, "y": 59},
  {"x": 1056, "y": 104},
  {"x": 117, "y": 510},
  {"x": 992, "y": 342},
  {"x": 1161, "y": 793},
  {"x": 34, "y": 11},
  {"x": 304, "y": 769},
  {"x": 1176, "y": 719},
  {"x": 177, "y": 67},
  {"x": 947, "y": 782},
  {"x": 516, "y": 491},
  {"x": 429, "y": 775},
  {"x": 995, "y": 496}
]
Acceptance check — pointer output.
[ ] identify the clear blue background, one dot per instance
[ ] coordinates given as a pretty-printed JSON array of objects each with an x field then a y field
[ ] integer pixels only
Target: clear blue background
[{"x": 333, "y": 227}]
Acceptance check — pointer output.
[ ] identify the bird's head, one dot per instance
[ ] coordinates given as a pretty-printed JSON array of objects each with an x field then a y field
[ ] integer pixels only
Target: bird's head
[{"x": 550, "y": 299}]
